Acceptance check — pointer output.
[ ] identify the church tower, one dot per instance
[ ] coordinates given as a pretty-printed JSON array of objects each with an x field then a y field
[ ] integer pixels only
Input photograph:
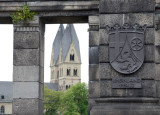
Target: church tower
[{"x": 65, "y": 58}]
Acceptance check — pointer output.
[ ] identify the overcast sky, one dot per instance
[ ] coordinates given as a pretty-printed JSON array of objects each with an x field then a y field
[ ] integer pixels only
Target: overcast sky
[{"x": 6, "y": 50}]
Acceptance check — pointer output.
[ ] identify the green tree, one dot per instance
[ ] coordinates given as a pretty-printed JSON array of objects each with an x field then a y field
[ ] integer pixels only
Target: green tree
[
  {"x": 51, "y": 101},
  {"x": 81, "y": 97},
  {"x": 75, "y": 100}
]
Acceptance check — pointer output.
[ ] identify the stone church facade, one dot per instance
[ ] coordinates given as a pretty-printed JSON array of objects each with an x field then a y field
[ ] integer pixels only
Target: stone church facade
[{"x": 65, "y": 58}]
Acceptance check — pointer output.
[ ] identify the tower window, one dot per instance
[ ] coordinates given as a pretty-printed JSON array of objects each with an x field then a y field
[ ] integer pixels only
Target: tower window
[
  {"x": 58, "y": 74},
  {"x": 2, "y": 109},
  {"x": 2, "y": 97},
  {"x": 66, "y": 86},
  {"x": 75, "y": 72},
  {"x": 68, "y": 72},
  {"x": 71, "y": 57}
]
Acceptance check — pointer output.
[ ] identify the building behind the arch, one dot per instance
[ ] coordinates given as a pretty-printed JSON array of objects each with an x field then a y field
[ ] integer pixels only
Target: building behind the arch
[
  {"x": 65, "y": 58},
  {"x": 6, "y": 98}
]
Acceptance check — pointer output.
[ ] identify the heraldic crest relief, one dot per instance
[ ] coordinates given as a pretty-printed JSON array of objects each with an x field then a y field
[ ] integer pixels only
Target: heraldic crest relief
[{"x": 126, "y": 47}]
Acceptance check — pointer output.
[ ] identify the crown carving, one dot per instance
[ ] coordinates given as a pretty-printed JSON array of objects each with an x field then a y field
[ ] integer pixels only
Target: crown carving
[{"x": 126, "y": 27}]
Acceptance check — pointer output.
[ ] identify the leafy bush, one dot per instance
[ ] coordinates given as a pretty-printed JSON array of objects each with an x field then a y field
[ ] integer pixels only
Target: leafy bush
[{"x": 23, "y": 15}]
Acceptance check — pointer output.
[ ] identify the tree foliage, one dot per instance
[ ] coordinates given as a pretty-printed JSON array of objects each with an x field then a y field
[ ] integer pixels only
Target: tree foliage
[
  {"x": 73, "y": 101},
  {"x": 51, "y": 101}
]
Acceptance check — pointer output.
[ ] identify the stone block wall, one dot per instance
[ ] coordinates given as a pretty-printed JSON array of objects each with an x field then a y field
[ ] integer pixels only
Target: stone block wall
[
  {"x": 101, "y": 73},
  {"x": 28, "y": 74}
]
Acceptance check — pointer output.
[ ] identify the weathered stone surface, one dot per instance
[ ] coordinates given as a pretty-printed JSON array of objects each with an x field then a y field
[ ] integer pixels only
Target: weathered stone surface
[
  {"x": 103, "y": 54},
  {"x": 93, "y": 55},
  {"x": 148, "y": 90},
  {"x": 126, "y": 83},
  {"x": 26, "y": 40},
  {"x": 94, "y": 89},
  {"x": 145, "y": 72},
  {"x": 41, "y": 58},
  {"x": 93, "y": 20},
  {"x": 26, "y": 57},
  {"x": 41, "y": 91},
  {"x": 21, "y": 28},
  {"x": 105, "y": 88},
  {"x": 157, "y": 1},
  {"x": 41, "y": 74},
  {"x": 157, "y": 37},
  {"x": 42, "y": 42},
  {"x": 157, "y": 71},
  {"x": 94, "y": 28},
  {"x": 158, "y": 88},
  {"x": 111, "y": 19},
  {"x": 26, "y": 73},
  {"x": 32, "y": 25},
  {"x": 91, "y": 103},
  {"x": 94, "y": 38},
  {"x": 26, "y": 90},
  {"x": 125, "y": 109},
  {"x": 126, "y": 6},
  {"x": 104, "y": 37},
  {"x": 132, "y": 100},
  {"x": 93, "y": 72},
  {"x": 149, "y": 36},
  {"x": 157, "y": 54},
  {"x": 27, "y": 107},
  {"x": 149, "y": 53},
  {"x": 131, "y": 19},
  {"x": 51, "y": 6}
]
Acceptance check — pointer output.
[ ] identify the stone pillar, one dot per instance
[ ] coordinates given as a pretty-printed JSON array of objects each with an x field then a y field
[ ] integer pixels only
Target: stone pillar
[
  {"x": 94, "y": 38},
  {"x": 105, "y": 97},
  {"x": 28, "y": 69}
]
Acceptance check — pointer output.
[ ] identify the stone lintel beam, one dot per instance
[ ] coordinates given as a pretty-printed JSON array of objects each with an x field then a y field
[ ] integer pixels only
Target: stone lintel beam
[
  {"x": 52, "y": 11},
  {"x": 50, "y": 5}
]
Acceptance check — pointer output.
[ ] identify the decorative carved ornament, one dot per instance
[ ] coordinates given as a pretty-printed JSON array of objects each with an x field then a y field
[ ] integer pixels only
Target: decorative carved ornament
[{"x": 126, "y": 47}]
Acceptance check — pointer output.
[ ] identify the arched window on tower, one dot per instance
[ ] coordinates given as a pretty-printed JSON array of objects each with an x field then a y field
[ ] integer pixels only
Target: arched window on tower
[
  {"x": 66, "y": 86},
  {"x": 75, "y": 72},
  {"x": 72, "y": 55},
  {"x": 2, "y": 97},
  {"x": 57, "y": 74},
  {"x": 61, "y": 72},
  {"x": 2, "y": 109},
  {"x": 68, "y": 72}
]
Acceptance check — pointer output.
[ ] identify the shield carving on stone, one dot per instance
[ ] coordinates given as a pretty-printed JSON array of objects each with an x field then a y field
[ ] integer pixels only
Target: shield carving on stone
[{"x": 126, "y": 47}]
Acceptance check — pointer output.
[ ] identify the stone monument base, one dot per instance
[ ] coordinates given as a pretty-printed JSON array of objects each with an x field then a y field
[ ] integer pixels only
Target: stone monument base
[{"x": 126, "y": 106}]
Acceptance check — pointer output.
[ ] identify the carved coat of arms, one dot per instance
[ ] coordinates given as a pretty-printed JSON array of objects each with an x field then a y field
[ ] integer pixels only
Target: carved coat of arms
[{"x": 126, "y": 47}]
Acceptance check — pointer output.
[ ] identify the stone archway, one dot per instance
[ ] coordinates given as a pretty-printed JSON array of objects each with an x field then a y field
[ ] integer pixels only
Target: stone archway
[
  {"x": 28, "y": 74},
  {"x": 103, "y": 97}
]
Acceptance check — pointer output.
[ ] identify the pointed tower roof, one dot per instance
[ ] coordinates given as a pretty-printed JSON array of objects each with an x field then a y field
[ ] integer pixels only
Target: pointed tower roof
[
  {"x": 69, "y": 37},
  {"x": 57, "y": 42}
]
